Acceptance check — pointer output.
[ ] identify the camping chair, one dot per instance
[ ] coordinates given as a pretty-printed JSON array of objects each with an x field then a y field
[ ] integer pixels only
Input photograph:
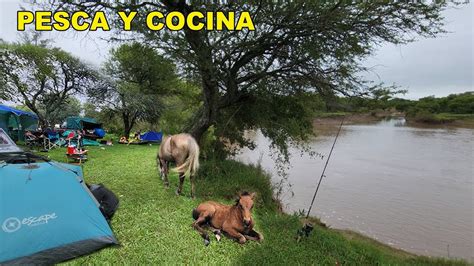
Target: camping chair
[
  {"x": 33, "y": 141},
  {"x": 52, "y": 140},
  {"x": 30, "y": 140}
]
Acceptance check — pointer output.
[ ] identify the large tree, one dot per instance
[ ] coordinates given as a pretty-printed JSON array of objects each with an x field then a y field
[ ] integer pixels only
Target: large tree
[
  {"x": 137, "y": 79},
  {"x": 71, "y": 106},
  {"x": 41, "y": 78},
  {"x": 297, "y": 46}
]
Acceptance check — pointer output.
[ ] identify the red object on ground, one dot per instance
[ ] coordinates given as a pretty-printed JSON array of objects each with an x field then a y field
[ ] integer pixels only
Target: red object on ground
[{"x": 71, "y": 149}]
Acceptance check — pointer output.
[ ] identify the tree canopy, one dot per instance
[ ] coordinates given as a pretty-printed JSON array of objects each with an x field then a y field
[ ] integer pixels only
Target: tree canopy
[
  {"x": 136, "y": 80},
  {"x": 42, "y": 78},
  {"x": 297, "y": 46}
]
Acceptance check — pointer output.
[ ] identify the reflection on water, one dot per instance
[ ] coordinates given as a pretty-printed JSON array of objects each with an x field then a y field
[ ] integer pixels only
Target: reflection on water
[{"x": 409, "y": 187}]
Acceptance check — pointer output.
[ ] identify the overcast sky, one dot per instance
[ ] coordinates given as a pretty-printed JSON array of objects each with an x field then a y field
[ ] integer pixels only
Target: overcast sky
[{"x": 437, "y": 67}]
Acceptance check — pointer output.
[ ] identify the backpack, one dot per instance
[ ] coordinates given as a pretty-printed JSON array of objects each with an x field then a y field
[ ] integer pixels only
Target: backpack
[{"x": 108, "y": 201}]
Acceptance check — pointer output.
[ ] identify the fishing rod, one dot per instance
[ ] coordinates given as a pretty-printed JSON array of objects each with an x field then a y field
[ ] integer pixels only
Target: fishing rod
[
  {"x": 305, "y": 231},
  {"x": 308, "y": 226},
  {"x": 325, "y": 166}
]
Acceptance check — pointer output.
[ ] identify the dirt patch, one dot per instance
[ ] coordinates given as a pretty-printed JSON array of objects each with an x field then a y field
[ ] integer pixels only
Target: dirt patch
[{"x": 329, "y": 124}]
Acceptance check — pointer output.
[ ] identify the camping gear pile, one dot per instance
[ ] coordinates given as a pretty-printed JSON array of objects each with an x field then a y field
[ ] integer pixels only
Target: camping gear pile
[
  {"x": 75, "y": 151},
  {"x": 47, "y": 213},
  {"x": 150, "y": 137},
  {"x": 23, "y": 126},
  {"x": 79, "y": 132},
  {"x": 88, "y": 128}
]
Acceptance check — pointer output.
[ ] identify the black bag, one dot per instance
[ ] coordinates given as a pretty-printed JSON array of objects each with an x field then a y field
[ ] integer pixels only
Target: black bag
[{"x": 106, "y": 198}]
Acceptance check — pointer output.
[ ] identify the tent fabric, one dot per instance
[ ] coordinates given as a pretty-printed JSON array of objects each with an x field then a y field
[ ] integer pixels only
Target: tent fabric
[
  {"x": 4, "y": 108},
  {"x": 4, "y": 120},
  {"x": 152, "y": 136},
  {"x": 28, "y": 122},
  {"x": 48, "y": 215},
  {"x": 90, "y": 142},
  {"x": 18, "y": 119},
  {"x": 80, "y": 123},
  {"x": 67, "y": 132}
]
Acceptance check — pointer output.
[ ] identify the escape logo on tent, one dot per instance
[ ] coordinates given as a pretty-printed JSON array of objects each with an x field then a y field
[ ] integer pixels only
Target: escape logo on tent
[{"x": 13, "y": 224}]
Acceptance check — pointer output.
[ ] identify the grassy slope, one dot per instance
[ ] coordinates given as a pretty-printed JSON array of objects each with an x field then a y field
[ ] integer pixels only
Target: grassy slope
[{"x": 154, "y": 225}]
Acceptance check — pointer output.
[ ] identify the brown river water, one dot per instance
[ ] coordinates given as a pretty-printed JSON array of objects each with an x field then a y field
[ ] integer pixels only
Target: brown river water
[{"x": 411, "y": 188}]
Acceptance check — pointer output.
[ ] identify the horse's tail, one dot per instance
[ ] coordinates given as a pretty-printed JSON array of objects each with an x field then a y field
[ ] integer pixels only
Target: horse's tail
[{"x": 192, "y": 162}]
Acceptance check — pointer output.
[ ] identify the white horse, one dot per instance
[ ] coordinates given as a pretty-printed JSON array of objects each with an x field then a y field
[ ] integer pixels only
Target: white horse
[{"x": 184, "y": 151}]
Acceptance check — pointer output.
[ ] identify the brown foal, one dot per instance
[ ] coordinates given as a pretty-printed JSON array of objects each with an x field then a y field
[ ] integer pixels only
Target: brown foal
[{"x": 235, "y": 221}]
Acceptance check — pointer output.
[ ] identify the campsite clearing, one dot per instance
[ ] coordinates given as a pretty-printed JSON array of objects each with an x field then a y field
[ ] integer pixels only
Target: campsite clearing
[{"x": 153, "y": 225}]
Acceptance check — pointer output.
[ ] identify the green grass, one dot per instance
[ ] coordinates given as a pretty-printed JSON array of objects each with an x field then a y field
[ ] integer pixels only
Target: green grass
[{"x": 153, "y": 225}]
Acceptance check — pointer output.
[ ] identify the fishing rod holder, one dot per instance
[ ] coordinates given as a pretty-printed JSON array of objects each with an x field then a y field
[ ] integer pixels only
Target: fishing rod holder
[{"x": 305, "y": 231}]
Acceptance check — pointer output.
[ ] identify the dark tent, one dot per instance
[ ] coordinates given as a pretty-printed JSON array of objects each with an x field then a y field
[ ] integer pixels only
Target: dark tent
[
  {"x": 152, "y": 136},
  {"x": 15, "y": 122},
  {"x": 82, "y": 123},
  {"x": 47, "y": 213}
]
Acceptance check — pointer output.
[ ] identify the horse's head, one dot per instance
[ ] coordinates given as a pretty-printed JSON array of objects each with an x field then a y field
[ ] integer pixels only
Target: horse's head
[{"x": 245, "y": 203}]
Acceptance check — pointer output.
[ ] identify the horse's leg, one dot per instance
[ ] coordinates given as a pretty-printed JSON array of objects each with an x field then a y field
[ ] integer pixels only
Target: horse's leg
[
  {"x": 217, "y": 233},
  {"x": 234, "y": 234},
  {"x": 165, "y": 172},
  {"x": 181, "y": 181},
  {"x": 160, "y": 166},
  {"x": 254, "y": 235},
  {"x": 191, "y": 179},
  {"x": 197, "y": 225}
]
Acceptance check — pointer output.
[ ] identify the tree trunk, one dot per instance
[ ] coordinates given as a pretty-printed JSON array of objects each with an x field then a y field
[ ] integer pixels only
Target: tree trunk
[
  {"x": 201, "y": 126},
  {"x": 209, "y": 109},
  {"x": 207, "y": 70},
  {"x": 127, "y": 127},
  {"x": 42, "y": 123},
  {"x": 208, "y": 73}
]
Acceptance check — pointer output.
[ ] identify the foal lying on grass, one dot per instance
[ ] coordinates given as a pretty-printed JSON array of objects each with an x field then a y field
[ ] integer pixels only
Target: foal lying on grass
[{"x": 235, "y": 221}]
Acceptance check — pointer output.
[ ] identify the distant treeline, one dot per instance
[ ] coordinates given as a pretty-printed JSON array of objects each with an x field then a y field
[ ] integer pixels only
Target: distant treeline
[
  {"x": 462, "y": 103},
  {"x": 455, "y": 103}
]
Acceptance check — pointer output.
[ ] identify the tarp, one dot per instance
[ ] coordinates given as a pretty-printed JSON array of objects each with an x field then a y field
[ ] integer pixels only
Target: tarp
[
  {"x": 48, "y": 215},
  {"x": 152, "y": 136},
  {"x": 18, "y": 120},
  {"x": 4, "y": 108},
  {"x": 80, "y": 123},
  {"x": 90, "y": 142}
]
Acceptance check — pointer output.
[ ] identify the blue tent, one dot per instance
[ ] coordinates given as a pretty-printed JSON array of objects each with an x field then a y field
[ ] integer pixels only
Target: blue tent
[
  {"x": 152, "y": 136},
  {"x": 16, "y": 111},
  {"x": 18, "y": 120},
  {"x": 47, "y": 214}
]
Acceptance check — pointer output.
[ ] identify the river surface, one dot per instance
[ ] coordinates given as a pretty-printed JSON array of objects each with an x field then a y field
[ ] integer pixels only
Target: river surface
[{"x": 411, "y": 188}]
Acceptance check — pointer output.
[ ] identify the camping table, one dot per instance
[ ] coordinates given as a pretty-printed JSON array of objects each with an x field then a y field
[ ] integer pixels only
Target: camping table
[{"x": 77, "y": 156}]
